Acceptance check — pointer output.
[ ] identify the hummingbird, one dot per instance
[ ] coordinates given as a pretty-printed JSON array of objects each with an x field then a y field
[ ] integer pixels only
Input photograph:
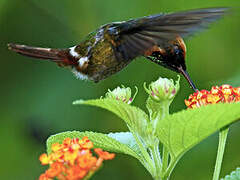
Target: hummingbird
[{"x": 106, "y": 51}]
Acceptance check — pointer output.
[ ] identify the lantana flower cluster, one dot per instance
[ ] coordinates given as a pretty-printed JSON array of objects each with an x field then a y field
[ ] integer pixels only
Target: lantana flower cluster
[
  {"x": 222, "y": 94},
  {"x": 72, "y": 160}
]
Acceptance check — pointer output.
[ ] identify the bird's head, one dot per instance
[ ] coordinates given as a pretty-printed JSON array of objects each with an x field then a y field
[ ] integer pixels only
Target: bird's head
[{"x": 172, "y": 56}]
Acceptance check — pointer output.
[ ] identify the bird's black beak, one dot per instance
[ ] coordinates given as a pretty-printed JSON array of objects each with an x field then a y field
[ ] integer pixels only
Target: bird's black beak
[{"x": 186, "y": 75}]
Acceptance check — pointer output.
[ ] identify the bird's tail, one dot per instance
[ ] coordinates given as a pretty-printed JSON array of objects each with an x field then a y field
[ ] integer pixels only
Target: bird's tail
[{"x": 56, "y": 55}]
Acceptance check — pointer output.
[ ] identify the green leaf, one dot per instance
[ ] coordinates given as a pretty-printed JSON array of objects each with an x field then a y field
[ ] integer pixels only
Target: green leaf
[
  {"x": 133, "y": 116},
  {"x": 127, "y": 139},
  {"x": 235, "y": 175},
  {"x": 99, "y": 140},
  {"x": 182, "y": 130}
]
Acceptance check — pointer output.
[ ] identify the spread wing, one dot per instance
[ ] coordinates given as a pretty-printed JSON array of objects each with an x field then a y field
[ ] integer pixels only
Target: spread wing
[{"x": 132, "y": 38}]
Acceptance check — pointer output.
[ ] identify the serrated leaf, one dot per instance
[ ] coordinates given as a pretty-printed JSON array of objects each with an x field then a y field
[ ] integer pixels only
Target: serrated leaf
[
  {"x": 127, "y": 139},
  {"x": 99, "y": 140},
  {"x": 133, "y": 116},
  {"x": 182, "y": 130},
  {"x": 235, "y": 175}
]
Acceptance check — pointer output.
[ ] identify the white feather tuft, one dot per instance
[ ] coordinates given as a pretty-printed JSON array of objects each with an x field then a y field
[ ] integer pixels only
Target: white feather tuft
[
  {"x": 80, "y": 75},
  {"x": 73, "y": 52},
  {"x": 82, "y": 61}
]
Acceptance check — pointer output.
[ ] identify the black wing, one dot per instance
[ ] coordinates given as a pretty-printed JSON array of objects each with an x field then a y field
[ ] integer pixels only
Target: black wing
[{"x": 132, "y": 38}]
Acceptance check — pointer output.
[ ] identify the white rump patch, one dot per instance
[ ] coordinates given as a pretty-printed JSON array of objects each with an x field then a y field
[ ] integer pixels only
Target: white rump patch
[
  {"x": 73, "y": 52},
  {"x": 82, "y": 61},
  {"x": 80, "y": 75}
]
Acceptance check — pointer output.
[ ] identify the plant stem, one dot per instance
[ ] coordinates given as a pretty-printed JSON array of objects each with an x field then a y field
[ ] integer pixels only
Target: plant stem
[
  {"x": 221, "y": 147},
  {"x": 170, "y": 168},
  {"x": 150, "y": 165},
  {"x": 157, "y": 160},
  {"x": 165, "y": 159}
]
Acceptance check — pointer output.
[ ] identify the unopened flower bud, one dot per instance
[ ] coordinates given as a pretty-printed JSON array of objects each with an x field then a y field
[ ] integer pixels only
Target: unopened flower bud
[
  {"x": 163, "y": 89},
  {"x": 122, "y": 94}
]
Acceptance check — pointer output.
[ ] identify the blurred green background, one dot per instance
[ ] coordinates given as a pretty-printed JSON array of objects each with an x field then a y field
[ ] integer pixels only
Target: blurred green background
[{"x": 36, "y": 96}]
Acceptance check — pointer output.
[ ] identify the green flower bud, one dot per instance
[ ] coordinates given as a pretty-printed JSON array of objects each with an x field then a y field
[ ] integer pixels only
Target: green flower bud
[
  {"x": 163, "y": 89},
  {"x": 122, "y": 94}
]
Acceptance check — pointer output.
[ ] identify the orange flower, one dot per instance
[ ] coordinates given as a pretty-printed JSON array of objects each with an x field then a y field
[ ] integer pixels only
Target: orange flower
[
  {"x": 72, "y": 160},
  {"x": 222, "y": 94},
  {"x": 44, "y": 159},
  {"x": 103, "y": 154},
  {"x": 55, "y": 169},
  {"x": 44, "y": 177}
]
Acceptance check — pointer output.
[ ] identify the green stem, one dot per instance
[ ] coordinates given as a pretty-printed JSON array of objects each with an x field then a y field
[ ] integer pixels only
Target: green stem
[
  {"x": 150, "y": 166},
  {"x": 157, "y": 160},
  {"x": 170, "y": 167},
  {"x": 221, "y": 147},
  {"x": 165, "y": 159}
]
